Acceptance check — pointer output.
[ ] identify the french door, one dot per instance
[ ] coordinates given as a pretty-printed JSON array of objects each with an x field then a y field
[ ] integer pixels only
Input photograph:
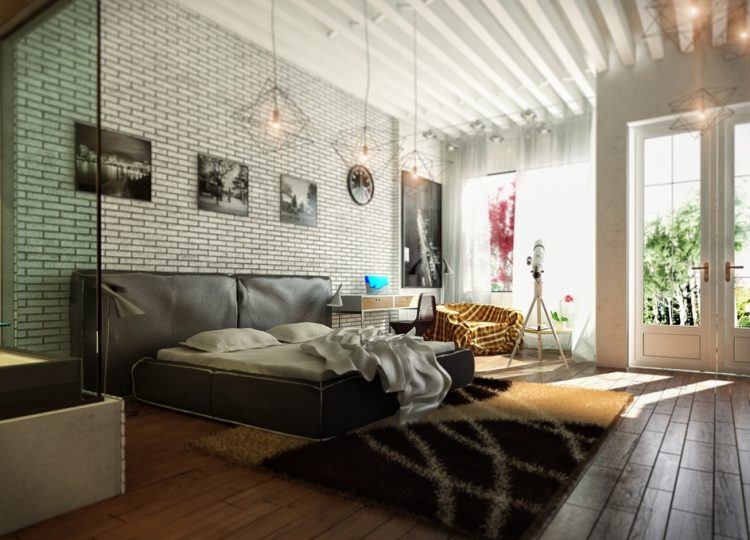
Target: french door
[{"x": 691, "y": 247}]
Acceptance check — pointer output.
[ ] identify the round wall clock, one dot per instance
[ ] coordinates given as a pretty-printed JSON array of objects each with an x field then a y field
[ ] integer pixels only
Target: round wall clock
[{"x": 361, "y": 185}]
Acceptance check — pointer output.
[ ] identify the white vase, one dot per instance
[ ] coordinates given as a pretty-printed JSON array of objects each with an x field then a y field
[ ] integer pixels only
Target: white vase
[{"x": 568, "y": 310}]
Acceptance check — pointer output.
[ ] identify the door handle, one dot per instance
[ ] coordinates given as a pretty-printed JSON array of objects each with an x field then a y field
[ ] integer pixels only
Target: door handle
[
  {"x": 703, "y": 268},
  {"x": 728, "y": 267}
]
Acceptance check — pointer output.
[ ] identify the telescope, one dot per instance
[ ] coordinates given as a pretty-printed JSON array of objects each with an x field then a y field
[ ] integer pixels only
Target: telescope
[{"x": 536, "y": 260}]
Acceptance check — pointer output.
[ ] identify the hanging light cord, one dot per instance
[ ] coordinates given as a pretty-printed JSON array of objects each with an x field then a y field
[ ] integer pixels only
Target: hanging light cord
[
  {"x": 414, "y": 38},
  {"x": 367, "y": 85},
  {"x": 273, "y": 48}
]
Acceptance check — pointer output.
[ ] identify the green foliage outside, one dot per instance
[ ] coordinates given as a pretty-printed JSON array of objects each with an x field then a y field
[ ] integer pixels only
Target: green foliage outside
[{"x": 671, "y": 289}]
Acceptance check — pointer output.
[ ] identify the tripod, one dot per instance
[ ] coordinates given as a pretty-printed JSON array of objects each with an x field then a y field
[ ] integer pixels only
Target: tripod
[{"x": 540, "y": 306}]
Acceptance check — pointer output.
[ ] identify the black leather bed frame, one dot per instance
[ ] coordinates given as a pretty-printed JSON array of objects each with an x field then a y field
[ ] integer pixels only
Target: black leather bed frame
[{"x": 178, "y": 306}]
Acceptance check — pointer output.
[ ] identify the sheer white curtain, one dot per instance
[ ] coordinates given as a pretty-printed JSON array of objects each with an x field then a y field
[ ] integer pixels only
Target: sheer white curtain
[
  {"x": 466, "y": 236},
  {"x": 555, "y": 202}
]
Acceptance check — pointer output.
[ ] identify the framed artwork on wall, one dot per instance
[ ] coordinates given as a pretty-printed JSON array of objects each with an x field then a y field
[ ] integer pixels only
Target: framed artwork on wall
[
  {"x": 222, "y": 185},
  {"x": 421, "y": 232},
  {"x": 126, "y": 163},
  {"x": 299, "y": 201}
]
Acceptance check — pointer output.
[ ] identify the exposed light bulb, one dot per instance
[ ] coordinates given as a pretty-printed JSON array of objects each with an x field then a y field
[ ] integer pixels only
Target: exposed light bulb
[
  {"x": 452, "y": 147},
  {"x": 364, "y": 155},
  {"x": 694, "y": 11},
  {"x": 275, "y": 121},
  {"x": 744, "y": 35}
]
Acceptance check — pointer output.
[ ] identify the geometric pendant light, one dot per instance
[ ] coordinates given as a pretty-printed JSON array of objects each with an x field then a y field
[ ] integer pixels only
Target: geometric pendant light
[
  {"x": 374, "y": 148},
  {"x": 702, "y": 109},
  {"x": 273, "y": 120},
  {"x": 417, "y": 164}
]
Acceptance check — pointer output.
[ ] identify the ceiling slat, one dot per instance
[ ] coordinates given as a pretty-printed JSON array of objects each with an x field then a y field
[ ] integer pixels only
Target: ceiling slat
[
  {"x": 719, "y": 22},
  {"x": 556, "y": 34},
  {"x": 619, "y": 28},
  {"x": 685, "y": 31},
  {"x": 583, "y": 23},
  {"x": 550, "y": 102},
  {"x": 428, "y": 47}
]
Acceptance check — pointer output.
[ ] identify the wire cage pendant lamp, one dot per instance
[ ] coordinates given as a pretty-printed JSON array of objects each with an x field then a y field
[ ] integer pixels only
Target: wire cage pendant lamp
[
  {"x": 375, "y": 148},
  {"x": 417, "y": 164},
  {"x": 274, "y": 120}
]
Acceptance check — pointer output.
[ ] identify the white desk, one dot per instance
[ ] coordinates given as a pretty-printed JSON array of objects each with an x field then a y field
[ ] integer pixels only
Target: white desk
[{"x": 361, "y": 304}]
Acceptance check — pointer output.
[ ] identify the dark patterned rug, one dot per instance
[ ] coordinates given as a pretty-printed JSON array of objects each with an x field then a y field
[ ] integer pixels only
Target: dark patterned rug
[{"x": 491, "y": 462}]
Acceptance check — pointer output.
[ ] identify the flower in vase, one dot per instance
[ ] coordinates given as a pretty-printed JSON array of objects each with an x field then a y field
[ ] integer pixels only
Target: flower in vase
[{"x": 568, "y": 298}]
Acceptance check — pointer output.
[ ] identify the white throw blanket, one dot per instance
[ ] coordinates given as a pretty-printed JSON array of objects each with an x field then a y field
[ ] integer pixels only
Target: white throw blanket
[{"x": 405, "y": 364}]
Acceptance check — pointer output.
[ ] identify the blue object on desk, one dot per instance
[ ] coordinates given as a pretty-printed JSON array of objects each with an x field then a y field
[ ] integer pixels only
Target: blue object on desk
[{"x": 376, "y": 284}]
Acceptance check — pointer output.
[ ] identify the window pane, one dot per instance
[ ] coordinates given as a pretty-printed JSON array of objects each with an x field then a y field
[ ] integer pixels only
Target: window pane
[
  {"x": 687, "y": 157},
  {"x": 672, "y": 232},
  {"x": 741, "y": 231},
  {"x": 657, "y": 160}
]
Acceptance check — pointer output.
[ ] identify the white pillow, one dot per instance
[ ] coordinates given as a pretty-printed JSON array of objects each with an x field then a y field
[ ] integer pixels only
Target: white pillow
[
  {"x": 299, "y": 332},
  {"x": 231, "y": 339}
]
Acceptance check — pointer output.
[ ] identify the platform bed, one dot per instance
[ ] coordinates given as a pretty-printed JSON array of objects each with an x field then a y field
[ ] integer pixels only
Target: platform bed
[
  {"x": 307, "y": 408},
  {"x": 178, "y": 305}
]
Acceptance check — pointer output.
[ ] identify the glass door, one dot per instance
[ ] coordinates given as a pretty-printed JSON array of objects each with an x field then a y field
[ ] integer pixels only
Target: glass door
[
  {"x": 734, "y": 351},
  {"x": 673, "y": 304}
]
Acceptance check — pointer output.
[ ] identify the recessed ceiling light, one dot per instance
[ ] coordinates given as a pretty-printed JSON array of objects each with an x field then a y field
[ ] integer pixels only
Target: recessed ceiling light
[
  {"x": 545, "y": 130},
  {"x": 496, "y": 138},
  {"x": 377, "y": 19},
  {"x": 478, "y": 125},
  {"x": 429, "y": 134},
  {"x": 331, "y": 34},
  {"x": 452, "y": 147}
]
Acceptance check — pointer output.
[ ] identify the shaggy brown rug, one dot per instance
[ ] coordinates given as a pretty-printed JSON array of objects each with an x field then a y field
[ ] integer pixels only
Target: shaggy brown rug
[{"x": 490, "y": 462}]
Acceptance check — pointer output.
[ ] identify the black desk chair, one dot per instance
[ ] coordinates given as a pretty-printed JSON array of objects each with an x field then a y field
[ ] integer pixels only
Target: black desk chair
[{"x": 423, "y": 321}]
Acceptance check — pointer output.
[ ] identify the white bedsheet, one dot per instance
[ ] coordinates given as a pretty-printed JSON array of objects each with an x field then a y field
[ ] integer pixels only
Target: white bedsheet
[{"x": 406, "y": 365}]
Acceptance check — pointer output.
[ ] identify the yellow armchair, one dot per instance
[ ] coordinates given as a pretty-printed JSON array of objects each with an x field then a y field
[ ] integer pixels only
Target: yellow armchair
[{"x": 483, "y": 328}]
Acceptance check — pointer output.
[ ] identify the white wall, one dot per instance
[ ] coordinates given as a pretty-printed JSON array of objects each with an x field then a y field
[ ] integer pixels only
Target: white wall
[{"x": 626, "y": 94}]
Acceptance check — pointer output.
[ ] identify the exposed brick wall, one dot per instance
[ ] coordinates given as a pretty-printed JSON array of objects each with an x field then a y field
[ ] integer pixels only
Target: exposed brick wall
[
  {"x": 177, "y": 79},
  {"x": 50, "y": 83}
]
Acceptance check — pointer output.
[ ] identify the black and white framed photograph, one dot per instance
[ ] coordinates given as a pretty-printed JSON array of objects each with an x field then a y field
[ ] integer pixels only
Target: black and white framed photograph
[
  {"x": 299, "y": 201},
  {"x": 422, "y": 233},
  {"x": 126, "y": 163},
  {"x": 222, "y": 185}
]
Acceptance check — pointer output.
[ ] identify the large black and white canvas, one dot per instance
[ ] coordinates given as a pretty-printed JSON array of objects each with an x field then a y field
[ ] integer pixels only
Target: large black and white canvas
[
  {"x": 222, "y": 185},
  {"x": 422, "y": 233},
  {"x": 126, "y": 163},
  {"x": 299, "y": 201}
]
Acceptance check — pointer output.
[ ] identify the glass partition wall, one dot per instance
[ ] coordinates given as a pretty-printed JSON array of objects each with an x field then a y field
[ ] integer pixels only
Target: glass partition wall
[{"x": 50, "y": 205}]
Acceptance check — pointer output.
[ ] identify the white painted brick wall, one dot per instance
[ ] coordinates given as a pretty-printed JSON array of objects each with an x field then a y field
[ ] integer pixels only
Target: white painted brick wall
[
  {"x": 177, "y": 79},
  {"x": 53, "y": 86}
]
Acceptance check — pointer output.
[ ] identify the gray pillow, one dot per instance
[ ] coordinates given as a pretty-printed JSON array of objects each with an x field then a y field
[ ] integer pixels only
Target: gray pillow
[
  {"x": 299, "y": 332},
  {"x": 231, "y": 339}
]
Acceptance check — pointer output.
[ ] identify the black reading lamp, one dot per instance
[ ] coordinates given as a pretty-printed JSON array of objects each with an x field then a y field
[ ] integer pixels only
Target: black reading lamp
[{"x": 123, "y": 308}]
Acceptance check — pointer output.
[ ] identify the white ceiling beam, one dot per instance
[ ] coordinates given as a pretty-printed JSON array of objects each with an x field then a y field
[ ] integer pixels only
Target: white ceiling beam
[
  {"x": 498, "y": 50},
  {"x": 619, "y": 28},
  {"x": 684, "y": 12},
  {"x": 502, "y": 108},
  {"x": 584, "y": 25},
  {"x": 654, "y": 40},
  {"x": 435, "y": 79},
  {"x": 719, "y": 22},
  {"x": 554, "y": 31},
  {"x": 357, "y": 41},
  {"x": 460, "y": 46},
  {"x": 502, "y": 14}
]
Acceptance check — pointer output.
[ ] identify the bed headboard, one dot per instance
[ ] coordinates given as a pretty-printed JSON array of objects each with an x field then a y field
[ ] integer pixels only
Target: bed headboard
[
  {"x": 179, "y": 305},
  {"x": 266, "y": 301}
]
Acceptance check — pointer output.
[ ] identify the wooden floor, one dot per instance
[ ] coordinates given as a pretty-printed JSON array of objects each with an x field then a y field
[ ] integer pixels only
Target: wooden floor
[{"x": 676, "y": 466}]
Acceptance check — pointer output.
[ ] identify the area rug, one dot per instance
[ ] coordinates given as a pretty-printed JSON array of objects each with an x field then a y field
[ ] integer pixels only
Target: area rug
[{"x": 491, "y": 462}]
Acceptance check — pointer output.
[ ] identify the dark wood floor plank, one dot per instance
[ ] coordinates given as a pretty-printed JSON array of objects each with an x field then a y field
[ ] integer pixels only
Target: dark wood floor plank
[
  {"x": 612, "y": 525},
  {"x": 630, "y": 487},
  {"x": 729, "y": 507},
  {"x": 594, "y": 488},
  {"x": 664, "y": 473},
  {"x": 684, "y": 525},
  {"x": 694, "y": 492},
  {"x": 651, "y": 519},
  {"x": 571, "y": 522}
]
